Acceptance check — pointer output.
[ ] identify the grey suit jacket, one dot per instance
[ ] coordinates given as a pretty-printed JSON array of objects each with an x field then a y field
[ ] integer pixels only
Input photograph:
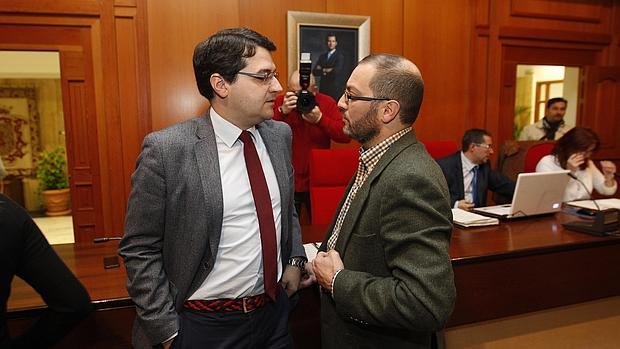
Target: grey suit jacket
[
  {"x": 397, "y": 286},
  {"x": 174, "y": 219}
]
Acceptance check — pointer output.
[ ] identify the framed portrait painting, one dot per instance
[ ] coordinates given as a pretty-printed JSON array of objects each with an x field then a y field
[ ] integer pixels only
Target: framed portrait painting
[{"x": 335, "y": 43}]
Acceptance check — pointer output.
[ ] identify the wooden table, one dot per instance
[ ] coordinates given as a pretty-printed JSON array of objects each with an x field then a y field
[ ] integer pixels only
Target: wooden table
[
  {"x": 110, "y": 325},
  {"x": 510, "y": 269},
  {"x": 529, "y": 265}
]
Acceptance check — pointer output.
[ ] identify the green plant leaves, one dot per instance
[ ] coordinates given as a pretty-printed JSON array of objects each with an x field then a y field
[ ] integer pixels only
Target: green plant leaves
[{"x": 51, "y": 169}]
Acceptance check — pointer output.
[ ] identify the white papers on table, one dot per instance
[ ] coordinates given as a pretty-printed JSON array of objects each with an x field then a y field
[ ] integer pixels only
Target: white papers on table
[
  {"x": 470, "y": 219},
  {"x": 602, "y": 203},
  {"x": 311, "y": 250}
]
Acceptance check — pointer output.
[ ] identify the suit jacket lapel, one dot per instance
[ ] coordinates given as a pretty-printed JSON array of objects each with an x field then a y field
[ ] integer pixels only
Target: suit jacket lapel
[
  {"x": 276, "y": 150},
  {"x": 205, "y": 151},
  {"x": 459, "y": 175},
  {"x": 362, "y": 194}
]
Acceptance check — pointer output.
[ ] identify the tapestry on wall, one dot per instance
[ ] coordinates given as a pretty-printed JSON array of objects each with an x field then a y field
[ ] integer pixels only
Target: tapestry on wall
[{"x": 19, "y": 134}]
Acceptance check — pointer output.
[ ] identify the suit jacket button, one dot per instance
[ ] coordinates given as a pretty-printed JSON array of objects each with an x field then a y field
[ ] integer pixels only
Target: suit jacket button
[{"x": 206, "y": 265}]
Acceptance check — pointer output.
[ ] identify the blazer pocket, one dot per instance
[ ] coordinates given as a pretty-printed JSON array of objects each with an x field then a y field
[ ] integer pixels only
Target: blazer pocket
[{"x": 365, "y": 252}]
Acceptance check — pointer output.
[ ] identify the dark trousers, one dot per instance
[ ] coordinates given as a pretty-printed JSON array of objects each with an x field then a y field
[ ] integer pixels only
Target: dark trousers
[{"x": 263, "y": 328}]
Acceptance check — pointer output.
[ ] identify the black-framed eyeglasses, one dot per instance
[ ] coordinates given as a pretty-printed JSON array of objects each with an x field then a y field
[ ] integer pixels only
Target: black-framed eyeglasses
[
  {"x": 265, "y": 77},
  {"x": 484, "y": 145},
  {"x": 348, "y": 97}
]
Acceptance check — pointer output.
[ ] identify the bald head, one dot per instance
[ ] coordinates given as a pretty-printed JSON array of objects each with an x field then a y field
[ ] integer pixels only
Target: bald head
[
  {"x": 397, "y": 78},
  {"x": 294, "y": 85}
]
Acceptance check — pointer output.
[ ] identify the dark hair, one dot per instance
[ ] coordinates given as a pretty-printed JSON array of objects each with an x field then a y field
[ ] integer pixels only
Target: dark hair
[
  {"x": 555, "y": 100},
  {"x": 578, "y": 139},
  {"x": 473, "y": 136},
  {"x": 225, "y": 53},
  {"x": 394, "y": 79},
  {"x": 329, "y": 35}
]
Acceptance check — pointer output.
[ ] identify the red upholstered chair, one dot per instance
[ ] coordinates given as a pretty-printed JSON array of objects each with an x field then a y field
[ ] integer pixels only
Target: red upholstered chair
[
  {"x": 535, "y": 153},
  {"x": 440, "y": 149},
  {"x": 330, "y": 172}
]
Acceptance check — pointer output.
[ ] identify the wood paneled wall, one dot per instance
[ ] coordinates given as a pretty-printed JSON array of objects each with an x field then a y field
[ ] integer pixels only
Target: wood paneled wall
[
  {"x": 460, "y": 46},
  {"x": 104, "y": 64},
  {"x": 141, "y": 58}
]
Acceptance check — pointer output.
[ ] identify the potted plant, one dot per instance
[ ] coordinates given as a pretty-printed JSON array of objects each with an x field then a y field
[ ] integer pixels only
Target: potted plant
[{"x": 51, "y": 171}]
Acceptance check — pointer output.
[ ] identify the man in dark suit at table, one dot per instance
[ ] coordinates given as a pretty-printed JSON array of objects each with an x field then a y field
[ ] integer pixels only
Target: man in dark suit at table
[
  {"x": 469, "y": 174},
  {"x": 211, "y": 225},
  {"x": 384, "y": 263},
  {"x": 329, "y": 69}
]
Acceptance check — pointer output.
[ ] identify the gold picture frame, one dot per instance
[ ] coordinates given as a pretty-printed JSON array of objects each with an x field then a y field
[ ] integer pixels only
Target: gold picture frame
[{"x": 308, "y": 31}]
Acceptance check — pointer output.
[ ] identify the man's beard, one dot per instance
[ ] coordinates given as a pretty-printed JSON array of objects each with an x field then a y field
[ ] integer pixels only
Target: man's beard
[{"x": 366, "y": 128}]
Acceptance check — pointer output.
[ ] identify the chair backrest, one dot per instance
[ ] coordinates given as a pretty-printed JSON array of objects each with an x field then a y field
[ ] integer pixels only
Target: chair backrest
[
  {"x": 535, "y": 153},
  {"x": 440, "y": 149},
  {"x": 330, "y": 172}
]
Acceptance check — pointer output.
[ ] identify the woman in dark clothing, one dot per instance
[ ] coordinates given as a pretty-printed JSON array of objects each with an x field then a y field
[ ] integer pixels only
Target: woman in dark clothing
[{"x": 25, "y": 252}]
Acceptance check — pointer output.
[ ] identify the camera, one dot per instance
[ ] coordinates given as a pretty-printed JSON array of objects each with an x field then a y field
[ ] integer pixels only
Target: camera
[{"x": 305, "y": 99}]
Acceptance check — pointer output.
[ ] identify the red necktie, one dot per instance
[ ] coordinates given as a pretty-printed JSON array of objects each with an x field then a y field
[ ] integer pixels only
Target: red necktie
[{"x": 262, "y": 201}]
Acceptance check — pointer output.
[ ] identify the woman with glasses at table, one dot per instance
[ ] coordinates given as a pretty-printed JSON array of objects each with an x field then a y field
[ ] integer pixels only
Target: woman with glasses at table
[{"x": 573, "y": 152}]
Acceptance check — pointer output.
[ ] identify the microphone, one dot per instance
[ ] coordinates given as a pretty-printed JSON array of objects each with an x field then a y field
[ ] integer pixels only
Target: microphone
[
  {"x": 586, "y": 188},
  {"x": 605, "y": 221},
  {"x": 98, "y": 240}
]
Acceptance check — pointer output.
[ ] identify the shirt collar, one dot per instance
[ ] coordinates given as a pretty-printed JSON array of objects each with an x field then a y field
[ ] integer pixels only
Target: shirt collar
[
  {"x": 467, "y": 164},
  {"x": 371, "y": 156},
  {"x": 227, "y": 131}
]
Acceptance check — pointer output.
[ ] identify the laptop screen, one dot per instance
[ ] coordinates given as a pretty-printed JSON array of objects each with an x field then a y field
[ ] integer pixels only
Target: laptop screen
[{"x": 539, "y": 193}]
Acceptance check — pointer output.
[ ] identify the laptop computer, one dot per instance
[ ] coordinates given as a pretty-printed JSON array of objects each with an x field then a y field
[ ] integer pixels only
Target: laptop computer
[{"x": 536, "y": 193}]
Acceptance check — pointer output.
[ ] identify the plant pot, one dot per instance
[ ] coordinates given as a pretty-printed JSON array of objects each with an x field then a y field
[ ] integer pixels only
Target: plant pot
[{"x": 57, "y": 202}]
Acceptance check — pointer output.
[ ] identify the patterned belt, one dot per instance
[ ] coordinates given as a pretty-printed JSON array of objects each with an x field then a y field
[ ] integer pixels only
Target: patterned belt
[{"x": 245, "y": 304}]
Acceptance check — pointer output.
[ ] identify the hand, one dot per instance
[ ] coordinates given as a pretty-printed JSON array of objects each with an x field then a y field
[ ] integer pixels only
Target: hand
[
  {"x": 167, "y": 344},
  {"x": 609, "y": 169},
  {"x": 291, "y": 279},
  {"x": 465, "y": 205},
  {"x": 314, "y": 116},
  {"x": 575, "y": 161},
  {"x": 325, "y": 266},
  {"x": 327, "y": 70},
  {"x": 308, "y": 279},
  {"x": 290, "y": 102}
]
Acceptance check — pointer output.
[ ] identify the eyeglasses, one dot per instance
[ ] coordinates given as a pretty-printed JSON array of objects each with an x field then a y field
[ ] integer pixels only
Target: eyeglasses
[
  {"x": 484, "y": 145},
  {"x": 265, "y": 77},
  {"x": 348, "y": 97}
]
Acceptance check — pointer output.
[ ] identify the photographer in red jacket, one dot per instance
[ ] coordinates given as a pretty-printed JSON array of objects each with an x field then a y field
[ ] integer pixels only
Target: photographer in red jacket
[{"x": 311, "y": 130}]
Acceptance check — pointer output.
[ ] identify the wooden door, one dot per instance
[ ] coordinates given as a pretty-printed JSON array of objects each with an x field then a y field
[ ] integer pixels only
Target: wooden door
[
  {"x": 514, "y": 55},
  {"x": 74, "y": 46},
  {"x": 600, "y": 107}
]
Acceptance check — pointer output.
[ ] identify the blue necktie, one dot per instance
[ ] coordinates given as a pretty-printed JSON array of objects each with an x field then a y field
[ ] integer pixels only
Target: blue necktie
[{"x": 474, "y": 186}]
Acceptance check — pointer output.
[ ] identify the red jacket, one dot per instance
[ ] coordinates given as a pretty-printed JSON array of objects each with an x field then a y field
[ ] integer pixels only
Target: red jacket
[{"x": 307, "y": 136}]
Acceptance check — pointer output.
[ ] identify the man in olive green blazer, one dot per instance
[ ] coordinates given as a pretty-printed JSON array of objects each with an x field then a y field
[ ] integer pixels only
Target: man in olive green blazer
[{"x": 384, "y": 265}]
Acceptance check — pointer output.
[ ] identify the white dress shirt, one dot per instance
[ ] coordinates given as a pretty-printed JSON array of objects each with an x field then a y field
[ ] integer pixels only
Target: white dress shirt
[
  {"x": 238, "y": 268},
  {"x": 591, "y": 177},
  {"x": 468, "y": 179}
]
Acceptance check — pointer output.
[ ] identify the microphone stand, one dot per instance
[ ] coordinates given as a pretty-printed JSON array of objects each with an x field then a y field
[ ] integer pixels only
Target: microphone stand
[
  {"x": 109, "y": 262},
  {"x": 604, "y": 223}
]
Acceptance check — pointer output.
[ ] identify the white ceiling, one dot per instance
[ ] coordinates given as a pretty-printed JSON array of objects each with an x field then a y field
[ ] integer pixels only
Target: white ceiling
[{"x": 29, "y": 65}]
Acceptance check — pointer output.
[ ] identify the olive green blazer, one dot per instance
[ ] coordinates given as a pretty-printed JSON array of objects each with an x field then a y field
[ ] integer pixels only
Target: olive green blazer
[{"x": 397, "y": 287}]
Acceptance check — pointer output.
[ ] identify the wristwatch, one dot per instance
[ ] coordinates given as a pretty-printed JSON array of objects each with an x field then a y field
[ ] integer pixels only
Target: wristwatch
[{"x": 299, "y": 262}]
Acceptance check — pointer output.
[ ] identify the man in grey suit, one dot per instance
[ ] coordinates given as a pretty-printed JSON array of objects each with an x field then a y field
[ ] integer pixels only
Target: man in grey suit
[
  {"x": 384, "y": 263},
  {"x": 211, "y": 225}
]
